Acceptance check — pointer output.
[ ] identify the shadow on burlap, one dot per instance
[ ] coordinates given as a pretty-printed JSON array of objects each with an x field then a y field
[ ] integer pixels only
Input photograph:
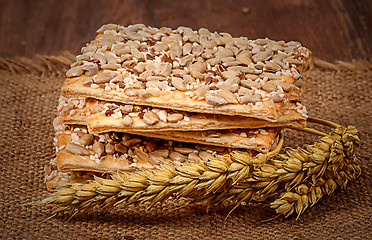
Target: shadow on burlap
[{"x": 29, "y": 95}]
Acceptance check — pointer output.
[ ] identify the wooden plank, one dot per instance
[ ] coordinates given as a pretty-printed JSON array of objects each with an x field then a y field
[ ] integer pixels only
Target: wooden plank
[{"x": 337, "y": 29}]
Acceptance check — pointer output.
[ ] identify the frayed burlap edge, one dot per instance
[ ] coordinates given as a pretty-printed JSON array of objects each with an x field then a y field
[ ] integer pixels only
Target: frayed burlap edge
[{"x": 57, "y": 65}]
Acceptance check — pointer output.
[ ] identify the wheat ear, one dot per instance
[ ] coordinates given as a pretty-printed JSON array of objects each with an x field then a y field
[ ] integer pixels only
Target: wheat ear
[{"x": 300, "y": 176}]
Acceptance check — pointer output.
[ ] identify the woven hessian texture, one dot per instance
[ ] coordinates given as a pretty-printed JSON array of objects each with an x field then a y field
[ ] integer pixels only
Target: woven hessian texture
[{"x": 28, "y": 103}]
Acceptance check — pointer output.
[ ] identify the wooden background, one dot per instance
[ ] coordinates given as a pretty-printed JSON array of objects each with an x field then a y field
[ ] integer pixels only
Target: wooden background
[{"x": 333, "y": 30}]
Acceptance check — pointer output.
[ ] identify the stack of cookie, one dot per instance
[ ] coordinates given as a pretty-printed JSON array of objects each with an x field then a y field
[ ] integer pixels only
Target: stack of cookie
[{"x": 139, "y": 95}]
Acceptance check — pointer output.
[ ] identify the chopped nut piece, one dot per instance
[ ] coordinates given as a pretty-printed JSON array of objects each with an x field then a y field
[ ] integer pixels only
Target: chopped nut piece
[{"x": 201, "y": 91}]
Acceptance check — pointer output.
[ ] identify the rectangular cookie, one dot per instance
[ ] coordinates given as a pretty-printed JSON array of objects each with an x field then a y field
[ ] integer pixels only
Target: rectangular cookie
[
  {"x": 109, "y": 152},
  {"x": 103, "y": 116},
  {"x": 194, "y": 71}
]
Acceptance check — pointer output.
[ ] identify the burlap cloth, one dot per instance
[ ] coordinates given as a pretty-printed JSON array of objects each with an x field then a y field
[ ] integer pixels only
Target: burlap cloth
[{"x": 29, "y": 94}]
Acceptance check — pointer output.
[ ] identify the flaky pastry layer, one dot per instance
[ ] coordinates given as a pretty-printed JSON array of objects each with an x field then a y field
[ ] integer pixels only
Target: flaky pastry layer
[{"x": 195, "y": 71}]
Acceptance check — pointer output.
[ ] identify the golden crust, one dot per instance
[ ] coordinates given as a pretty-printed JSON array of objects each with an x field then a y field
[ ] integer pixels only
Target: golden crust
[
  {"x": 259, "y": 140},
  {"x": 164, "y": 68},
  {"x": 102, "y": 122},
  {"x": 267, "y": 110}
]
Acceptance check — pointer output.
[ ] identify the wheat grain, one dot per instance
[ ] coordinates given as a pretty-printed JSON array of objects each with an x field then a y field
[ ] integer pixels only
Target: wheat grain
[{"x": 301, "y": 177}]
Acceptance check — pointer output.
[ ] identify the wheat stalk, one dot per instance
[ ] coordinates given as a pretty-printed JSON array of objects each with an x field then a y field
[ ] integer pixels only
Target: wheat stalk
[{"x": 300, "y": 176}]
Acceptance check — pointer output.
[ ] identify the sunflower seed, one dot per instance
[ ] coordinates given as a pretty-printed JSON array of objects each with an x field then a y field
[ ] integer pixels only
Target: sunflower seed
[
  {"x": 109, "y": 148},
  {"x": 244, "y": 91},
  {"x": 140, "y": 67},
  {"x": 175, "y": 50},
  {"x": 197, "y": 69},
  {"x": 268, "y": 86},
  {"x": 201, "y": 91},
  {"x": 131, "y": 92},
  {"x": 291, "y": 61},
  {"x": 251, "y": 76},
  {"x": 155, "y": 92},
  {"x": 249, "y": 84},
  {"x": 86, "y": 139},
  {"x": 151, "y": 118},
  {"x": 104, "y": 77},
  {"x": 143, "y": 93},
  {"x": 110, "y": 66},
  {"x": 127, "y": 120},
  {"x": 164, "y": 69},
  {"x": 230, "y": 74},
  {"x": 141, "y": 154},
  {"x": 175, "y": 117},
  {"x": 197, "y": 50},
  {"x": 179, "y": 83},
  {"x": 120, "y": 148},
  {"x": 230, "y": 64},
  {"x": 286, "y": 86},
  {"x": 109, "y": 26},
  {"x": 100, "y": 57},
  {"x": 227, "y": 95},
  {"x": 242, "y": 44},
  {"x": 272, "y": 66},
  {"x": 223, "y": 52},
  {"x": 161, "y": 47},
  {"x": 244, "y": 57},
  {"x": 299, "y": 83},
  {"x": 261, "y": 41},
  {"x": 77, "y": 149},
  {"x": 186, "y": 60},
  {"x": 161, "y": 153},
  {"x": 131, "y": 142},
  {"x": 276, "y": 97},
  {"x": 98, "y": 148},
  {"x": 87, "y": 81},
  {"x": 75, "y": 72},
  {"x": 271, "y": 76},
  {"x": 262, "y": 56},
  {"x": 215, "y": 99},
  {"x": 275, "y": 46},
  {"x": 90, "y": 69},
  {"x": 184, "y": 150},
  {"x": 250, "y": 98},
  {"x": 137, "y": 54}
]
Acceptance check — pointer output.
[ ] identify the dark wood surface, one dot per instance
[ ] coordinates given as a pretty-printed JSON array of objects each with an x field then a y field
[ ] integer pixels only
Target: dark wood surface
[{"x": 333, "y": 30}]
